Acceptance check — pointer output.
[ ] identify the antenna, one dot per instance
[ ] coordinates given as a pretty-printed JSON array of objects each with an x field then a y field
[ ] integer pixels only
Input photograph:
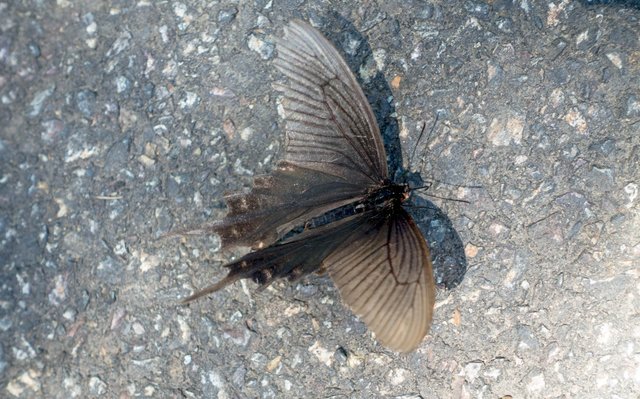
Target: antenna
[{"x": 424, "y": 124}]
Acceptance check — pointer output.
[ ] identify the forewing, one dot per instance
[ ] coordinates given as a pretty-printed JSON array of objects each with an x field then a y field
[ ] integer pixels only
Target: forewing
[
  {"x": 384, "y": 274},
  {"x": 380, "y": 264},
  {"x": 328, "y": 121},
  {"x": 333, "y": 150}
]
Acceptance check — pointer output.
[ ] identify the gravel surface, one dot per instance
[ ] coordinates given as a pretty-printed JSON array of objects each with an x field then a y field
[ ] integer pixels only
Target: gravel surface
[{"x": 121, "y": 121}]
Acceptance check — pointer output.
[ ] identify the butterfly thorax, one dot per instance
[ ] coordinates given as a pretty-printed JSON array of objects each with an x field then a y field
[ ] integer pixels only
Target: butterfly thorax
[{"x": 388, "y": 194}]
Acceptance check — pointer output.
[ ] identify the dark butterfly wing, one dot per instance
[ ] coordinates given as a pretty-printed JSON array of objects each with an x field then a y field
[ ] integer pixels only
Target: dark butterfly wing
[
  {"x": 384, "y": 274},
  {"x": 293, "y": 258},
  {"x": 278, "y": 203},
  {"x": 380, "y": 263},
  {"x": 333, "y": 149},
  {"x": 329, "y": 124}
]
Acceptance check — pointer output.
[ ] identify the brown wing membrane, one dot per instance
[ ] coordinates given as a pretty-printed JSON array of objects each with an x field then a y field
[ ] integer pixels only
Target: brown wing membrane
[
  {"x": 278, "y": 203},
  {"x": 380, "y": 264},
  {"x": 333, "y": 150},
  {"x": 294, "y": 258},
  {"x": 384, "y": 274},
  {"x": 329, "y": 124}
]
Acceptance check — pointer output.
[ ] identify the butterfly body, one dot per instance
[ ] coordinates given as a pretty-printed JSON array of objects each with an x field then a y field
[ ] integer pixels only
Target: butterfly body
[
  {"x": 389, "y": 194},
  {"x": 386, "y": 197},
  {"x": 330, "y": 205}
]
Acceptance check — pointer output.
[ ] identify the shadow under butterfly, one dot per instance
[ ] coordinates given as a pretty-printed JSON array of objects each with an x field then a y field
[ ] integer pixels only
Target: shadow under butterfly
[{"x": 330, "y": 205}]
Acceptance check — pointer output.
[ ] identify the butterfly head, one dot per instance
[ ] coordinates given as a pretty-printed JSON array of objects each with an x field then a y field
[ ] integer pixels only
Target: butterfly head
[{"x": 406, "y": 193}]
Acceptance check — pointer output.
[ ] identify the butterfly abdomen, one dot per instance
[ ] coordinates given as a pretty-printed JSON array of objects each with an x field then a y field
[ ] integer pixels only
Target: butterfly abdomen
[{"x": 384, "y": 196}]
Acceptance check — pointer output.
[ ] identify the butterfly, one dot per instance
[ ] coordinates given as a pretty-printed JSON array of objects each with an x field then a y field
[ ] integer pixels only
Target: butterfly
[{"x": 333, "y": 181}]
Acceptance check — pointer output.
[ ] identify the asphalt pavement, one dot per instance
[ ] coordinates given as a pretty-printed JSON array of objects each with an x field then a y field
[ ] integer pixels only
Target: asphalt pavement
[{"x": 122, "y": 121}]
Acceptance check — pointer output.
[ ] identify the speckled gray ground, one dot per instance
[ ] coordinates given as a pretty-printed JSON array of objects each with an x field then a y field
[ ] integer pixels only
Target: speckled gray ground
[{"x": 120, "y": 121}]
